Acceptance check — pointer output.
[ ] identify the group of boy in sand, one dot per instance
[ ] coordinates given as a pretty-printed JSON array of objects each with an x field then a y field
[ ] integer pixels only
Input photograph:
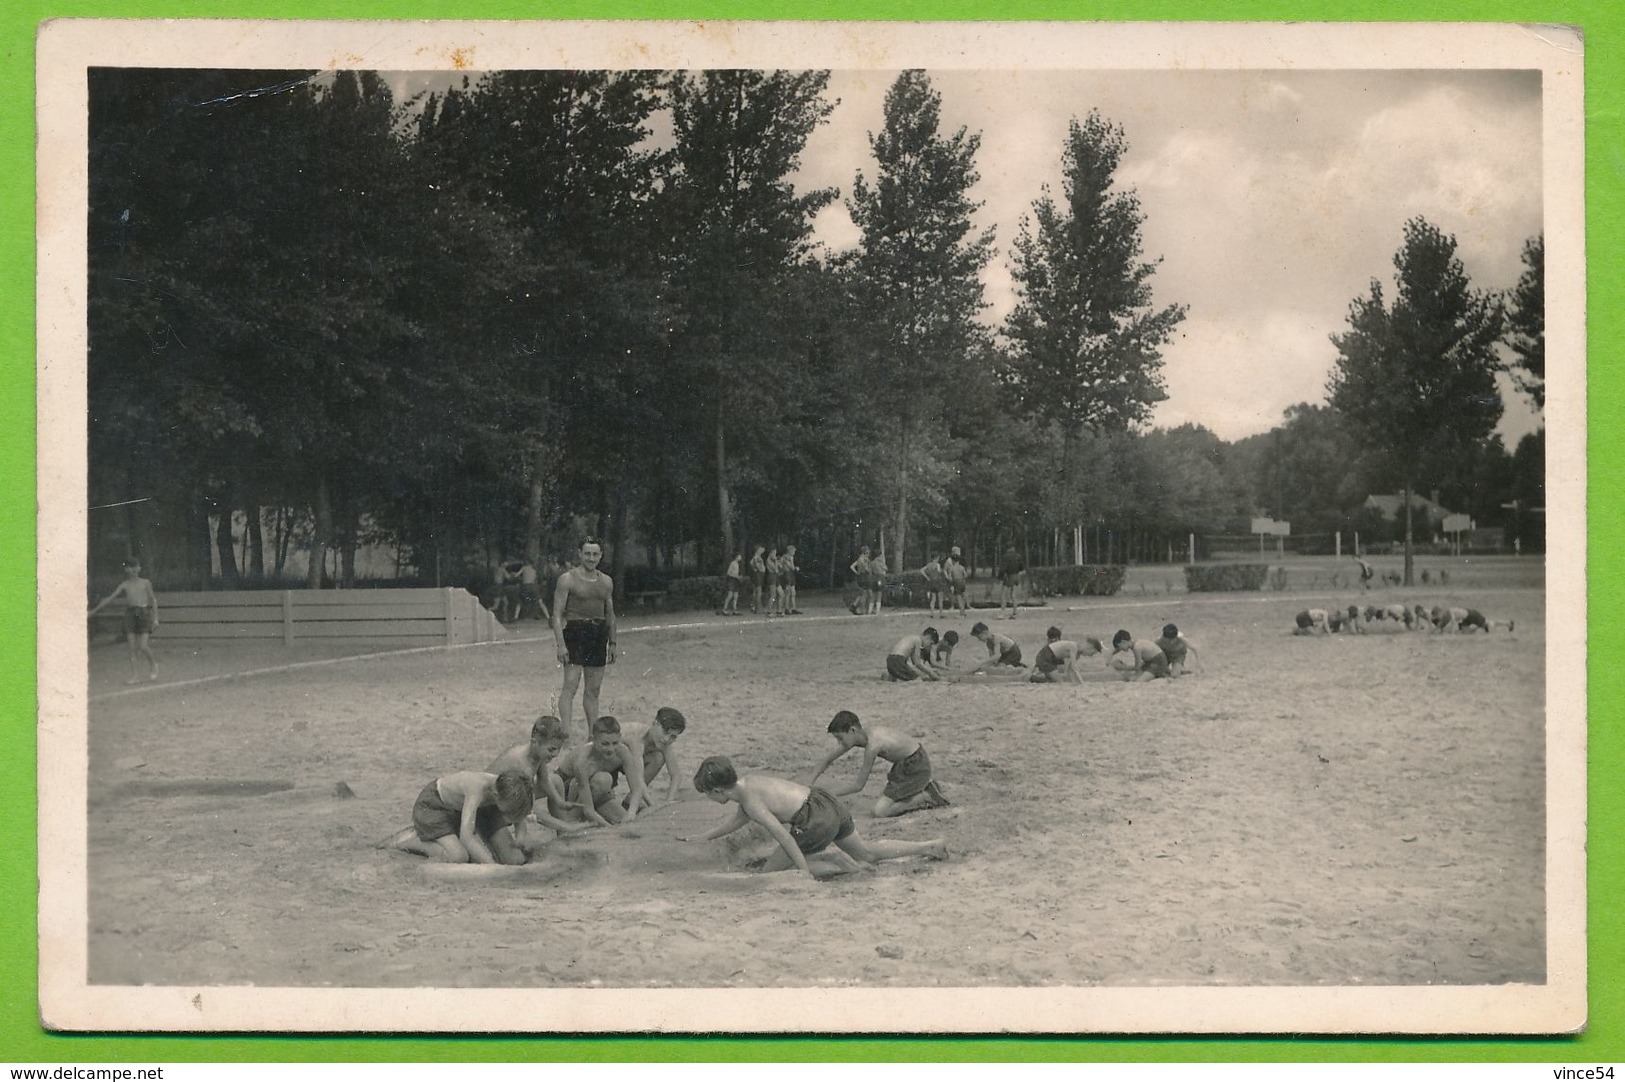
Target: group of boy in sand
[
  {"x": 929, "y": 656},
  {"x": 1444, "y": 619},
  {"x": 494, "y": 816}
]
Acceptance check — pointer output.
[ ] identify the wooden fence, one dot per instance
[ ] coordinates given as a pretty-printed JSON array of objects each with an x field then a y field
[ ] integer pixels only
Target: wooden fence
[{"x": 405, "y": 617}]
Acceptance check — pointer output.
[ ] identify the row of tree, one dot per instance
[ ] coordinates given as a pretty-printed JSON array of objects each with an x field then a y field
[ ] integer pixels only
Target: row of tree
[{"x": 465, "y": 323}]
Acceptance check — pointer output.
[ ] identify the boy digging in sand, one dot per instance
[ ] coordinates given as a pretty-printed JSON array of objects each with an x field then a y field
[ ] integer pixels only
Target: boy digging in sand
[
  {"x": 467, "y": 817},
  {"x": 654, "y": 744},
  {"x": 547, "y": 739},
  {"x": 589, "y": 774},
  {"x": 804, "y": 821},
  {"x": 909, "y": 785},
  {"x": 1001, "y": 649},
  {"x": 907, "y": 659},
  {"x": 1061, "y": 656}
]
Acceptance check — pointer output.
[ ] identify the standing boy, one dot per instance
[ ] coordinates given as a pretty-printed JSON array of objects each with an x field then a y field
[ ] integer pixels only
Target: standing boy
[
  {"x": 935, "y": 583},
  {"x": 860, "y": 575},
  {"x": 140, "y": 617},
  {"x": 958, "y": 575},
  {"x": 787, "y": 573},
  {"x": 1010, "y": 569},
  {"x": 758, "y": 575},
  {"x": 909, "y": 785},
  {"x": 584, "y": 630},
  {"x": 730, "y": 601},
  {"x": 803, "y": 820}
]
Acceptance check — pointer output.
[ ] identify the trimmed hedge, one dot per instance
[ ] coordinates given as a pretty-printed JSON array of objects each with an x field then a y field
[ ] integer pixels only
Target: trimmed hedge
[
  {"x": 1088, "y": 580},
  {"x": 1216, "y": 578},
  {"x": 700, "y": 592}
]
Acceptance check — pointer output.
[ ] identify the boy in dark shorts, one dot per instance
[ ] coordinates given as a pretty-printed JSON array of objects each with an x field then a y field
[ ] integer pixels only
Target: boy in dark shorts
[
  {"x": 1010, "y": 569},
  {"x": 590, "y": 772},
  {"x": 547, "y": 738},
  {"x": 730, "y": 601},
  {"x": 1312, "y": 622},
  {"x": 936, "y": 583},
  {"x": 908, "y": 657},
  {"x": 584, "y": 630},
  {"x": 1459, "y": 619},
  {"x": 958, "y": 575},
  {"x": 1138, "y": 659},
  {"x": 140, "y": 618},
  {"x": 1001, "y": 649},
  {"x": 1177, "y": 649},
  {"x": 787, "y": 576},
  {"x": 803, "y": 820},
  {"x": 1060, "y": 656},
  {"x": 909, "y": 785},
  {"x": 467, "y": 817},
  {"x": 758, "y": 577},
  {"x": 942, "y": 655}
]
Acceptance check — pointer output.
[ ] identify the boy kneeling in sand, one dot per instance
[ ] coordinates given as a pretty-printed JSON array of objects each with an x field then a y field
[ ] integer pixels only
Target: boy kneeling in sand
[
  {"x": 654, "y": 744},
  {"x": 804, "y": 821},
  {"x": 909, "y": 785},
  {"x": 547, "y": 739},
  {"x": 467, "y": 817},
  {"x": 1177, "y": 649},
  {"x": 1002, "y": 651},
  {"x": 1138, "y": 659},
  {"x": 589, "y": 774},
  {"x": 907, "y": 658}
]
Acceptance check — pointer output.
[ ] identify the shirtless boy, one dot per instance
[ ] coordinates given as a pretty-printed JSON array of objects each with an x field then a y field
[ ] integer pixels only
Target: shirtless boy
[
  {"x": 787, "y": 573},
  {"x": 1458, "y": 619},
  {"x": 958, "y": 575},
  {"x": 1058, "y": 658},
  {"x": 802, "y": 819},
  {"x": 547, "y": 739},
  {"x": 1001, "y": 649},
  {"x": 654, "y": 743},
  {"x": 909, "y": 785},
  {"x": 1177, "y": 649},
  {"x": 935, "y": 583},
  {"x": 1312, "y": 622},
  {"x": 1138, "y": 659},
  {"x": 730, "y": 601},
  {"x": 589, "y": 774},
  {"x": 942, "y": 655},
  {"x": 584, "y": 630},
  {"x": 907, "y": 659},
  {"x": 140, "y": 617},
  {"x": 467, "y": 817}
]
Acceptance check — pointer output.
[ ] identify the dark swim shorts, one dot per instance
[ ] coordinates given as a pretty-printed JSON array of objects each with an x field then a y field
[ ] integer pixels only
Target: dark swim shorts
[
  {"x": 909, "y": 776},
  {"x": 1157, "y": 666},
  {"x": 897, "y": 668},
  {"x": 1011, "y": 656},
  {"x": 1046, "y": 662},
  {"x": 433, "y": 818},
  {"x": 587, "y": 642},
  {"x": 819, "y": 821},
  {"x": 137, "y": 620}
]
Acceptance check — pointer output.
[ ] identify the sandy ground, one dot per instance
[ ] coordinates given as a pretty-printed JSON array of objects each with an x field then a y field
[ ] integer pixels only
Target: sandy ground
[{"x": 1320, "y": 811}]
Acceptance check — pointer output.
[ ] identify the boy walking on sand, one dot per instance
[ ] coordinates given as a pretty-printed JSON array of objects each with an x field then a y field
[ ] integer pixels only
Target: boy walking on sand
[
  {"x": 140, "y": 617},
  {"x": 909, "y": 784},
  {"x": 803, "y": 820}
]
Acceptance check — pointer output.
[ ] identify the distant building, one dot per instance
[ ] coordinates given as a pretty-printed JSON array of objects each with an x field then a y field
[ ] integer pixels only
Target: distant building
[{"x": 1425, "y": 513}]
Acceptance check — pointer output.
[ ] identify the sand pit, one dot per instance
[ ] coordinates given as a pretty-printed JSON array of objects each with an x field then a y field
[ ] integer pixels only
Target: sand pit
[{"x": 1344, "y": 810}]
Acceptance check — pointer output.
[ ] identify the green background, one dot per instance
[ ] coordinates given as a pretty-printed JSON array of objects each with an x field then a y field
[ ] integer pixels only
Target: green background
[{"x": 21, "y": 1038}]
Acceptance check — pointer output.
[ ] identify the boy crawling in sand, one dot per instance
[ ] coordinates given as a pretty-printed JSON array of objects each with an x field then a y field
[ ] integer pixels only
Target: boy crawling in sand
[
  {"x": 804, "y": 821},
  {"x": 590, "y": 772},
  {"x": 1178, "y": 650},
  {"x": 654, "y": 743},
  {"x": 1058, "y": 658},
  {"x": 1138, "y": 659},
  {"x": 468, "y": 817},
  {"x": 909, "y": 785}
]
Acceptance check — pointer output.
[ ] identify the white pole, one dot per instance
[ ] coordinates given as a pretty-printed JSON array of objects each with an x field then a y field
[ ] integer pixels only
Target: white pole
[
  {"x": 1356, "y": 542},
  {"x": 1339, "y": 536},
  {"x": 1193, "y": 548}
]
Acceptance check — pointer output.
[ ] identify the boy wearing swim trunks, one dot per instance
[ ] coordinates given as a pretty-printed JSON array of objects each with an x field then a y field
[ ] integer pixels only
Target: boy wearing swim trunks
[
  {"x": 935, "y": 583},
  {"x": 958, "y": 575},
  {"x": 140, "y": 617},
  {"x": 654, "y": 743},
  {"x": 909, "y": 785},
  {"x": 730, "y": 602},
  {"x": 1138, "y": 659},
  {"x": 803, "y": 820},
  {"x": 1312, "y": 622},
  {"x": 1057, "y": 659},
  {"x": 590, "y": 772},
  {"x": 907, "y": 659},
  {"x": 758, "y": 574},
  {"x": 467, "y": 817},
  {"x": 775, "y": 591},
  {"x": 1177, "y": 649},
  {"x": 1001, "y": 649},
  {"x": 584, "y": 630},
  {"x": 942, "y": 656},
  {"x": 787, "y": 579}
]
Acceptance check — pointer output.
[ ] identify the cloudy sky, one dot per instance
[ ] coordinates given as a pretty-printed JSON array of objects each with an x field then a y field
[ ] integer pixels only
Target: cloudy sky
[{"x": 1272, "y": 198}]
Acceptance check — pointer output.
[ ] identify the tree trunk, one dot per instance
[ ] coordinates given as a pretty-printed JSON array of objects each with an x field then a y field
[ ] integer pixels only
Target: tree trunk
[
  {"x": 256, "y": 539},
  {"x": 225, "y": 546},
  {"x": 198, "y": 544},
  {"x": 319, "y": 538},
  {"x": 724, "y": 504},
  {"x": 901, "y": 521},
  {"x": 533, "y": 504},
  {"x": 347, "y": 546},
  {"x": 1408, "y": 558},
  {"x": 617, "y": 538}
]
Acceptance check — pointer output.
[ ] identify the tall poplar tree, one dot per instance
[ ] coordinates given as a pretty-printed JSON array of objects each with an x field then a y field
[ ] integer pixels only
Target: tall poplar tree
[
  {"x": 1526, "y": 322},
  {"x": 1085, "y": 339},
  {"x": 1417, "y": 376},
  {"x": 918, "y": 270}
]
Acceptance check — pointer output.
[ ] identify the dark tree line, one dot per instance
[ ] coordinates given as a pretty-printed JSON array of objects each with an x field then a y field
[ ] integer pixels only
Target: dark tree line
[{"x": 474, "y": 324}]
